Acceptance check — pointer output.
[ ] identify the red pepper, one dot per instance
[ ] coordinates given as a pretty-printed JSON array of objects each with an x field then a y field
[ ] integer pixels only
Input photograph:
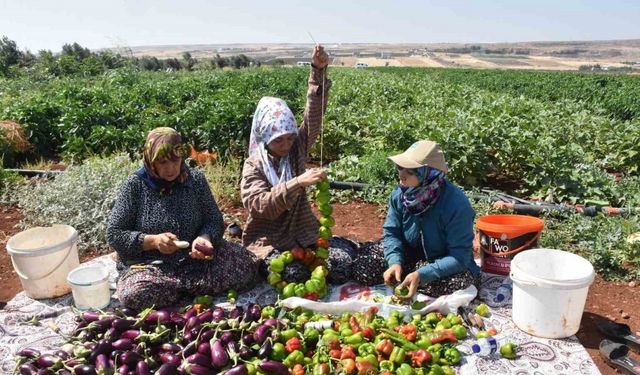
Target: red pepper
[
  {"x": 293, "y": 344},
  {"x": 445, "y": 335},
  {"x": 297, "y": 370},
  {"x": 347, "y": 352},
  {"x": 384, "y": 347},
  {"x": 348, "y": 366},
  {"x": 334, "y": 344},
  {"x": 420, "y": 357},
  {"x": 353, "y": 324},
  {"x": 409, "y": 332},
  {"x": 311, "y": 296},
  {"x": 368, "y": 333},
  {"x": 366, "y": 368},
  {"x": 335, "y": 353}
]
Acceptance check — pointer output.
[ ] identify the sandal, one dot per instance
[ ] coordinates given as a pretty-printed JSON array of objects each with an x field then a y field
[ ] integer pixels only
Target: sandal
[
  {"x": 619, "y": 332},
  {"x": 615, "y": 354}
]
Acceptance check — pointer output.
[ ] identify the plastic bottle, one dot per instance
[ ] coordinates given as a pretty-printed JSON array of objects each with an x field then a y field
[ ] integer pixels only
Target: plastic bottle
[
  {"x": 485, "y": 346},
  {"x": 503, "y": 293}
]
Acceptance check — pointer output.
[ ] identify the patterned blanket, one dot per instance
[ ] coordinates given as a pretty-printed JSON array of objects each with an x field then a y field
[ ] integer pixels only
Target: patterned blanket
[{"x": 536, "y": 355}]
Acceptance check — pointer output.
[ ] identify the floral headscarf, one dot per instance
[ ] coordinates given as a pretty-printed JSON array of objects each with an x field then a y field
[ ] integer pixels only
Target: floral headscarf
[
  {"x": 272, "y": 119},
  {"x": 422, "y": 197},
  {"x": 162, "y": 143}
]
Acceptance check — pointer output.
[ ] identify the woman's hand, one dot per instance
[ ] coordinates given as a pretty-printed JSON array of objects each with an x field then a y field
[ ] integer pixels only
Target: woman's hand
[
  {"x": 412, "y": 281},
  {"x": 203, "y": 240},
  {"x": 392, "y": 275},
  {"x": 319, "y": 57},
  {"x": 164, "y": 243},
  {"x": 311, "y": 176}
]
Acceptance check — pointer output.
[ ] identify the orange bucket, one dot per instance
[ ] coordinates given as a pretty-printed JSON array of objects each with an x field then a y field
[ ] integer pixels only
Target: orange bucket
[{"x": 501, "y": 237}]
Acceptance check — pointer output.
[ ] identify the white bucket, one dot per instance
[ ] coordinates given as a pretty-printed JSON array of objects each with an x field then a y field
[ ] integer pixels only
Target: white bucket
[
  {"x": 42, "y": 257},
  {"x": 90, "y": 287},
  {"x": 549, "y": 291}
]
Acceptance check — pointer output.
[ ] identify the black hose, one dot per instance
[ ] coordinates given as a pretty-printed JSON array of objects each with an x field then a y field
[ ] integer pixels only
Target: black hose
[{"x": 35, "y": 173}]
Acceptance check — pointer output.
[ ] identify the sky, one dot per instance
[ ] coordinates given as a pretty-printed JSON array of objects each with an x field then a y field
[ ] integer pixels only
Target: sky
[{"x": 46, "y": 24}]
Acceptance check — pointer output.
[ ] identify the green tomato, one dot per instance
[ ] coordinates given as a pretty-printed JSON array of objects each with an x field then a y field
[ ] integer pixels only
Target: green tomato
[
  {"x": 300, "y": 290},
  {"x": 289, "y": 290},
  {"x": 312, "y": 285},
  {"x": 325, "y": 209},
  {"x": 232, "y": 295},
  {"x": 273, "y": 278},
  {"x": 323, "y": 185},
  {"x": 327, "y": 221},
  {"x": 483, "y": 310},
  {"x": 322, "y": 253},
  {"x": 324, "y": 232},
  {"x": 277, "y": 265},
  {"x": 508, "y": 350},
  {"x": 323, "y": 197},
  {"x": 287, "y": 257},
  {"x": 401, "y": 291}
]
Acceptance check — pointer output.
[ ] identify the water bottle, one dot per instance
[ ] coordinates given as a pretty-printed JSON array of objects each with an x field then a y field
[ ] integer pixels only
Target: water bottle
[
  {"x": 503, "y": 293},
  {"x": 485, "y": 346}
]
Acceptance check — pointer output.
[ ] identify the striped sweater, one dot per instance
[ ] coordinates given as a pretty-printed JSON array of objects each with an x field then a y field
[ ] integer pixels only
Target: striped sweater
[{"x": 280, "y": 216}]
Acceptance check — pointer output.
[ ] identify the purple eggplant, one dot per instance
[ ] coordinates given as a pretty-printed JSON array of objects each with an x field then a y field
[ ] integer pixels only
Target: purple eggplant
[
  {"x": 90, "y": 316},
  {"x": 170, "y": 347},
  {"x": 192, "y": 369},
  {"x": 103, "y": 364},
  {"x": 265, "y": 350},
  {"x": 102, "y": 325},
  {"x": 64, "y": 372},
  {"x": 28, "y": 369},
  {"x": 105, "y": 347},
  {"x": 167, "y": 369},
  {"x": 112, "y": 334},
  {"x": 123, "y": 370},
  {"x": 199, "y": 359},
  {"x": 123, "y": 324},
  {"x": 189, "y": 337},
  {"x": 273, "y": 367},
  {"x": 158, "y": 317},
  {"x": 190, "y": 313},
  {"x": 219, "y": 355},
  {"x": 236, "y": 313},
  {"x": 29, "y": 353},
  {"x": 226, "y": 337},
  {"x": 125, "y": 311},
  {"x": 253, "y": 313},
  {"x": 205, "y": 316},
  {"x": 206, "y": 250},
  {"x": 248, "y": 339},
  {"x": 273, "y": 323},
  {"x": 245, "y": 352},
  {"x": 191, "y": 324},
  {"x": 238, "y": 370},
  {"x": 207, "y": 335},
  {"x": 131, "y": 334},
  {"x": 218, "y": 314},
  {"x": 48, "y": 360},
  {"x": 171, "y": 358},
  {"x": 178, "y": 320},
  {"x": 84, "y": 370},
  {"x": 190, "y": 348},
  {"x": 122, "y": 344},
  {"x": 73, "y": 362},
  {"x": 233, "y": 346},
  {"x": 204, "y": 348},
  {"x": 261, "y": 333},
  {"x": 130, "y": 358},
  {"x": 142, "y": 368}
]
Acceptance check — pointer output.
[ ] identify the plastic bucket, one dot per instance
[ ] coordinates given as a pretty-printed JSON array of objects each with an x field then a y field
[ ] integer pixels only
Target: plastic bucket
[
  {"x": 90, "y": 287},
  {"x": 549, "y": 291},
  {"x": 42, "y": 257},
  {"x": 501, "y": 237}
]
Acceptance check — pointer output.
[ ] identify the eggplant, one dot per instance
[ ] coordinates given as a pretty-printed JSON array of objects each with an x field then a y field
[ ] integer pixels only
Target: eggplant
[
  {"x": 207, "y": 335},
  {"x": 218, "y": 314},
  {"x": 142, "y": 368},
  {"x": 247, "y": 339},
  {"x": 64, "y": 372},
  {"x": 238, "y": 370},
  {"x": 90, "y": 316},
  {"x": 48, "y": 360},
  {"x": 130, "y": 358},
  {"x": 131, "y": 334},
  {"x": 73, "y": 362},
  {"x": 197, "y": 370},
  {"x": 233, "y": 346},
  {"x": 122, "y": 344},
  {"x": 189, "y": 337},
  {"x": 28, "y": 369},
  {"x": 261, "y": 333},
  {"x": 190, "y": 313},
  {"x": 273, "y": 367},
  {"x": 204, "y": 348},
  {"x": 178, "y": 320},
  {"x": 219, "y": 355},
  {"x": 253, "y": 314},
  {"x": 189, "y": 349},
  {"x": 123, "y": 324},
  {"x": 105, "y": 347},
  {"x": 273, "y": 323},
  {"x": 103, "y": 364},
  {"x": 226, "y": 337},
  {"x": 126, "y": 312},
  {"x": 265, "y": 350},
  {"x": 29, "y": 353},
  {"x": 171, "y": 358},
  {"x": 44, "y": 371},
  {"x": 102, "y": 325},
  {"x": 191, "y": 323},
  {"x": 167, "y": 369},
  {"x": 84, "y": 370},
  {"x": 158, "y": 317},
  {"x": 236, "y": 313},
  {"x": 205, "y": 316},
  {"x": 123, "y": 370},
  {"x": 199, "y": 359},
  {"x": 170, "y": 347},
  {"x": 112, "y": 334},
  {"x": 206, "y": 250},
  {"x": 245, "y": 352}
]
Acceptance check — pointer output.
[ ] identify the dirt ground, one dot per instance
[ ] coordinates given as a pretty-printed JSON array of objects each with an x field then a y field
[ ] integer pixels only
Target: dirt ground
[{"x": 363, "y": 222}]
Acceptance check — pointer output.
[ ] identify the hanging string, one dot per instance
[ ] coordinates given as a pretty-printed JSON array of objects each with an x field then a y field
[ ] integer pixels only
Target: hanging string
[{"x": 324, "y": 70}]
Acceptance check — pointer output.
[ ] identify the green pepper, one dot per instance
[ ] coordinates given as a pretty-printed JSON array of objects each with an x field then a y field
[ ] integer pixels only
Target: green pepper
[
  {"x": 405, "y": 369},
  {"x": 289, "y": 334},
  {"x": 287, "y": 257},
  {"x": 320, "y": 357},
  {"x": 371, "y": 358},
  {"x": 392, "y": 322},
  {"x": 453, "y": 356},
  {"x": 400, "y": 340},
  {"x": 435, "y": 357},
  {"x": 386, "y": 365},
  {"x": 447, "y": 370},
  {"x": 329, "y": 337},
  {"x": 294, "y": 358},
  {"x": 459, "y": 331},
  {"x": 232, "y": 295},
  {"x": 311, "y": 335},
  {"x": 482, "y": 310},
  {"x": 420, "y": 371},
  {"x": 397, "y": 355},
  {"x": 366, "y": 349},
  {"x": 356, "y": 338},
  {"x": 268, "y": 311},
  {"x": 278, "y": 352},
  {"x": 424, "y": 342},
  {"x": 435, "y": 370},
  {"x": 321, "y": 368},
  {"x": 445, "y": 323},
  {"x": 346, "y": 332},
  {"x": 434, "y": 348},
  {"x": 300, "y": 290},
  {"x": 432, "y": 318},
  {"x": 206, "y": 300},
  {"x": 508, "y": 350}
]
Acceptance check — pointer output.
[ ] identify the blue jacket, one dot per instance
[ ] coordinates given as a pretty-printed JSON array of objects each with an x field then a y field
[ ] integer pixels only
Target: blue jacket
[{"x": 445, "y": 230}]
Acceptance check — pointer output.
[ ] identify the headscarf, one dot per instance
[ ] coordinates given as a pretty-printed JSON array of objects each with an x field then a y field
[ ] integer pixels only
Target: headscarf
[
  {"x": 162, "y": 143},
  {"x": 422, "y": 197},
  {"x": 272, "y": 119}
]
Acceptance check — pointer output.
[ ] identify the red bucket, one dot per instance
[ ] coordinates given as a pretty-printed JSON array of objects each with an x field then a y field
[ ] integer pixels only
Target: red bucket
[{"x": 501, "y": 237}]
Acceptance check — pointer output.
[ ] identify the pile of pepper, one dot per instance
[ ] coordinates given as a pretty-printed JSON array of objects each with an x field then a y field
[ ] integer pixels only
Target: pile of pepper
[{"x": 316, "y": 286}]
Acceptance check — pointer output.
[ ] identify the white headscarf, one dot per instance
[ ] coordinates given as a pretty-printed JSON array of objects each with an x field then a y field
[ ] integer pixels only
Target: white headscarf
[{"x": 272, "y": 119}]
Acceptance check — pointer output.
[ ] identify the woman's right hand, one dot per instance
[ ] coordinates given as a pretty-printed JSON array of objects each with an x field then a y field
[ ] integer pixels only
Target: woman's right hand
[
  {"x": 164, "y": 243},
  {"x": 311, "y": 176},
  {"x": 392, "y": 275}
]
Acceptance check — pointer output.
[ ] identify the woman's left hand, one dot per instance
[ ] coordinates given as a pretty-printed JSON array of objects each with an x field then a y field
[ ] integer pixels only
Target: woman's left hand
[
  {"x": 204, "y": 241},
  {"x": 319, "y": 57},
  {"x": 412, "y": 281}
]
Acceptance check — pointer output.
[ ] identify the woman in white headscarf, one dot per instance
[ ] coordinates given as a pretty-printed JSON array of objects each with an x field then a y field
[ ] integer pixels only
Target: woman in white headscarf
[{"x": 274, "y": 177}]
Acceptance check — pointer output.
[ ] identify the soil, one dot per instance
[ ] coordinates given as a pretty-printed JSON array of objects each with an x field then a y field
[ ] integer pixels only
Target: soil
[{"x": 363, "y": 222}]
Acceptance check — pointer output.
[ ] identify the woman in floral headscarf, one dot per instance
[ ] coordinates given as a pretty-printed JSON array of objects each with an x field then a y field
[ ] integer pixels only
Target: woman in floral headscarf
[
  {"x": 275, "y": 176},
  {"x": 428, "y": 233},
  {"x": 162, "y": 203}
]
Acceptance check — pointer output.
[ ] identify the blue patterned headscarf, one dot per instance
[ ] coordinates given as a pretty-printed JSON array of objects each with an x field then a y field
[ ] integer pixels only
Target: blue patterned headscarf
[{"x": 422, "y": 197}]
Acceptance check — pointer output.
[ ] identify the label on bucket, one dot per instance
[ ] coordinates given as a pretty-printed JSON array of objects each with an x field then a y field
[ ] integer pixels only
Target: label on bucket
[{"x": 496, "y": 253}]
